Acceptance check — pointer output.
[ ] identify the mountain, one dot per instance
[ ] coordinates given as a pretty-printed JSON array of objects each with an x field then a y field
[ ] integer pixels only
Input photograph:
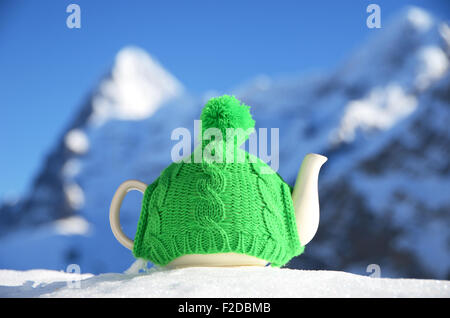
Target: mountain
[
  {"x": 67, "y": 208},
  {"x": 381, "y": 118},
  {"x": 133, "y": 90},
  {"x": 393, "y": 201}
]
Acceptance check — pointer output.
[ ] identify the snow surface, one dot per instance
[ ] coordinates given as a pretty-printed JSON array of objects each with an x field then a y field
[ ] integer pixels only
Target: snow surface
[{"x": 215, "y": 282}]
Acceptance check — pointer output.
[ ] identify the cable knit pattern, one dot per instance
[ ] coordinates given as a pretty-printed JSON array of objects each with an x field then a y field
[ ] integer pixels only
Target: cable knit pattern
[
  {"x": 210, "y": 210},
  {"x": 209, "y": 207},
  {"x": 217, "y": 208}
]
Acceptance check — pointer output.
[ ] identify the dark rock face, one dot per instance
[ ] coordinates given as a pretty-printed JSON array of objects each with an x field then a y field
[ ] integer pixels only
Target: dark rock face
[
  {"x": 46, "y": 201},
  {"x": 417, "y": 152}
]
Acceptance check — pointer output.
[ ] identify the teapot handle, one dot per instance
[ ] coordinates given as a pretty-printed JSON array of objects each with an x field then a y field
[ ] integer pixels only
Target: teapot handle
[{"x": 114, "y": 210}]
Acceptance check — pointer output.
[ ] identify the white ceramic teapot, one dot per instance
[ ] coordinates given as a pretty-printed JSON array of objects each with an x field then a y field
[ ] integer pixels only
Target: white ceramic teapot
[{"x": 305, "y": 199}]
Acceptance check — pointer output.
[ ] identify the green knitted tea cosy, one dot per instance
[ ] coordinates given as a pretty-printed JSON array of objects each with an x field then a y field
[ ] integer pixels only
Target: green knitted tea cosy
[{"x": 216, "y": 206}]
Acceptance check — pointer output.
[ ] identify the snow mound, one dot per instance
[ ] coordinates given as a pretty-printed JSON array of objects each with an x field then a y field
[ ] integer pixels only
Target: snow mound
[{"x": 215, "y": 282}]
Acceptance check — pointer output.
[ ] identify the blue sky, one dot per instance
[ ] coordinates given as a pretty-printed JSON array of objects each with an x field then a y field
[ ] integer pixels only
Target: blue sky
[{"x": 48, "y": 70}]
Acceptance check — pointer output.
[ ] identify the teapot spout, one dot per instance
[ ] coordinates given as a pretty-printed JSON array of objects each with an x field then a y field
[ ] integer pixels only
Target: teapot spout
[{"x": 306, "y": 197}]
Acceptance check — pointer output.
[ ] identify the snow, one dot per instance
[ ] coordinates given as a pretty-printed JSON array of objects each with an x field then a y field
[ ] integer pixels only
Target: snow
[
  {"x": 74, "y": 195},
  {"x": 444, "y": 31},
  {"x": 77, "y": 141},
  {"x": 380, "y": 110},
  {"x": 71, "y": 168},
  {"x": 206, "y": 282},
  {"x": 419, "y": 18},
  {"x": 393, "y": 53},
  {"x": 72, "y": 226},
  {"x": 137, "y": 87},
  {"x": 432, "y": 64}
]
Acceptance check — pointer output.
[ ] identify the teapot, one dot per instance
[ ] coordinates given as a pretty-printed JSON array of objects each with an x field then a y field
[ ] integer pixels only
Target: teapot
[{"x": 210, "y": 214}]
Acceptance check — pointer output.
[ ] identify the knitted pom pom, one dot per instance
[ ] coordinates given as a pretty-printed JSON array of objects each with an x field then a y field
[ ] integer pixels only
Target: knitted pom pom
[{"x": 226, "y": 112}]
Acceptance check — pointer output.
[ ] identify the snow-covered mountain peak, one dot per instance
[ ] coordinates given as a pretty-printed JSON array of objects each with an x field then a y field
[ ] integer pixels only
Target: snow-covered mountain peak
[
  {"x": 386, "y": 75},
  {"x": 137, "y": 86},
  {"x": 410, "y": 40}
]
